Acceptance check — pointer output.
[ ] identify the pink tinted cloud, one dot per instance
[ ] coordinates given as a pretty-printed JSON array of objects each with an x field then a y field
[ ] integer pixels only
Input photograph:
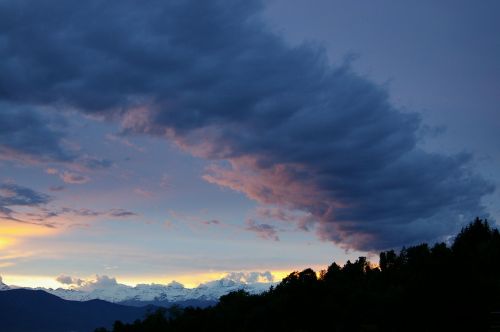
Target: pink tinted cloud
[
  {"x": 289, "y": 188},
  {"x": 304, "y": 221},
  {"x": 276, "y": 184},
  {"x": 74, "y": 178}
]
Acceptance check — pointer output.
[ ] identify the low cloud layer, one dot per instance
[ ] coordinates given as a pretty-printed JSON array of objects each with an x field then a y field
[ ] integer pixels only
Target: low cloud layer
[
  {"x": 68, "y": 280},
  {"x": 103, "y": 282},
  {"x": 280, "y": 124},
  {"x": 99, "y": 282},
  {"x": 250, "y": 277}
]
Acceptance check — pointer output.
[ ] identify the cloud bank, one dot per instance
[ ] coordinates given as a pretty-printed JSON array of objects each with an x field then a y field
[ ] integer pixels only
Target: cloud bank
[
  {"x": 102, "y": 282},
  {"x": 250, "y": 277},
  {"x": 279, "y": 122},
  {"x": 68, "y": 280},
  {"x": 30, "y": 136}
]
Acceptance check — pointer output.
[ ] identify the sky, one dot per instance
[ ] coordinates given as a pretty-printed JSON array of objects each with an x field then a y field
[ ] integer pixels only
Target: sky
[{"x": 185, "y": 140}]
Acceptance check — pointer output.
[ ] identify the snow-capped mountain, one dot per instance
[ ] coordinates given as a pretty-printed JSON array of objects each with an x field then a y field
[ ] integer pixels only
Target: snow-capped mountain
[
  {"x": 173, "y": 292},
  {"x": 3, "y": 286},
  {"x": 108, "y": 289}
]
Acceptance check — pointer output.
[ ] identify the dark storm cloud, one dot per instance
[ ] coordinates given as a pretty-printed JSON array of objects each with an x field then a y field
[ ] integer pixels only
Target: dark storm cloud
[
  {"x": 29, "y": 135},
  {"x": 297, "y": 132}
]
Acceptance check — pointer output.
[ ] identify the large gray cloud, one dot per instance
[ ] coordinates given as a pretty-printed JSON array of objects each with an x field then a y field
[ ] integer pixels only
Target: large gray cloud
[
  {"x": 32, "y": 135},
  {"x": 29, "y": 135},
  {"x": 296, "y": 131}
]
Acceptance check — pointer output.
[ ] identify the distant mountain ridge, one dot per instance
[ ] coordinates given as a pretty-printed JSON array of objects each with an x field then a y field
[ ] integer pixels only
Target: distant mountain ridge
[
  {"x": 25, "y": 310},
  {"x": 173, "y": 292},
  {"x": 160, "y": 295}
]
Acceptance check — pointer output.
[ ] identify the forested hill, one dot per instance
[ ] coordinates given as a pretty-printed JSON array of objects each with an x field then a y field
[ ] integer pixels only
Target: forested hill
[{"x": 419, "y": 288}]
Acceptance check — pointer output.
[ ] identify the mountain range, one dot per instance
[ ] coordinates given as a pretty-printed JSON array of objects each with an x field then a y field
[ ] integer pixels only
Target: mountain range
[
  {"x": 100, "y": 303},
  {"x": 160, "y": 295}
]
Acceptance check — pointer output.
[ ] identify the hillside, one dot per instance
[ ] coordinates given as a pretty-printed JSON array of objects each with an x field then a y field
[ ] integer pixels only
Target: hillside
[{"x": 23, "y": 310}]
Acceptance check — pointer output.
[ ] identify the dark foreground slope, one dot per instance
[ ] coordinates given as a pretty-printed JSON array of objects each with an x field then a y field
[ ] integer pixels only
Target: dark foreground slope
[
  {"x": 419, "y": 288},
  {"x": 34, "y": 310}
]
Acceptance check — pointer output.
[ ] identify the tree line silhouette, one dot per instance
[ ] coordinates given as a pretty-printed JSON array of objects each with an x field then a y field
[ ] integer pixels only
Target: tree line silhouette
[{"x": 421, "y": 288}]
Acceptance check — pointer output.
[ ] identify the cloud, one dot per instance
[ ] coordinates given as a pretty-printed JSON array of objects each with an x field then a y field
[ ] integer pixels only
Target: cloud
[
  {"x": 93, "y": 163},
  {"x": 121, "y": 213},
  {"x": 264, "y": 231},
  {"x": 200, "y": 221},
  {"x": 280, "y": 123},
  {"x": 25, "y": 205},
  {"x": 31, "y": 136},
  {"x": 13, "y": 196},
  {"x": 68, "y": 280},
  {"x": 211, "y": 222},
  {"x": 73, "y": 178},
  {"x": 57, "y": 188},
  {"x": 101, "y": 286},
  {"x": 103, "y": 281},
  {"x": 250, "y": 277},
  {"x": 89, "y": 285},
  {"x": 304, "y": 221},
  {"x": 84, "y": 212}
]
